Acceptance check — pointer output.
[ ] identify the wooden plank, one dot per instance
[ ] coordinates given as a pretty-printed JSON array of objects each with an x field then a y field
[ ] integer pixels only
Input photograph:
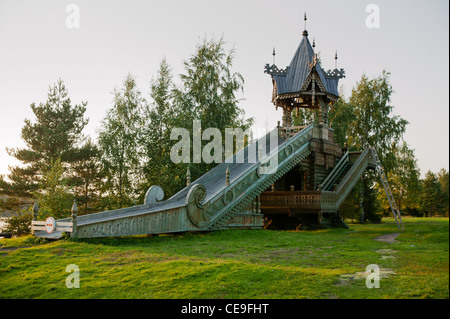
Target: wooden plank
[
  {"x": 69, "y": 224},
  {"x": 38, "y": 227},
  {"x": 60, "y": 229},
  {"x": 38, "y": 222}
]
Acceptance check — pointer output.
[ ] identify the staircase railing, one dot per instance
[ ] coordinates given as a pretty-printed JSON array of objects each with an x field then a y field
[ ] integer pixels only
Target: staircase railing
[
  {"x": 332, "y": 200},
  {"x": 244, "y": 190},
  {"x": 334, "y": 173}
]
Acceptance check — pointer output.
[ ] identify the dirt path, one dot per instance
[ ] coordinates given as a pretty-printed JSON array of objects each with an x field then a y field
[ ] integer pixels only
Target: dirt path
[
  {"x": 8, "y": 249},
  {"x": 345, "y": 279}
]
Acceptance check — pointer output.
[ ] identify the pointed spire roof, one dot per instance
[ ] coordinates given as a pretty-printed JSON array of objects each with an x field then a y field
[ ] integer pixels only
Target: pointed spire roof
[
  {"x": 299, "y": 69},
  {"x": 293, "y": 78}
]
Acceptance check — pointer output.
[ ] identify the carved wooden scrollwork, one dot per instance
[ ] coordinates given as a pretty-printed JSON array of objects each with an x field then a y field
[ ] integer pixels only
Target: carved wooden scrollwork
[
  {"x": 274, "y": 70},
  {"x": 258, "y": 170},
  {"x": 154, "y": 194},
  {"x": 335, "y": 73},
  {"x": 195, "y": 209},
  {"x": 288, "y": 150},
  {"x": 228, "y": 196}
]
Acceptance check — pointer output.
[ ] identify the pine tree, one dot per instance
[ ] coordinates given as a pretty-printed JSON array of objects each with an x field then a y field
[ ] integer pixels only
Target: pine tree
[
  {"x": 54, "y": 134},
  {"x": 431, "y": 194},
  {"x": 86, "y": 176},
  {"x": 54, "y": 196},
  {"x": 444, "y": 182}
]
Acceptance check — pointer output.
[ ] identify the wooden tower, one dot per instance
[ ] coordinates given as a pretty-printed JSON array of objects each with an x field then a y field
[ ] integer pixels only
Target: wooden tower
[{"x": 304, "y": 84}]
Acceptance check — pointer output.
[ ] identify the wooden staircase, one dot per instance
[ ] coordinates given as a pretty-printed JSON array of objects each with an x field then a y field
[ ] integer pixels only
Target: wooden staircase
[
  {"x": 206, "y": 204},
  {"x": 333, "y": 185},
  {"x": 211, "y": 202}
]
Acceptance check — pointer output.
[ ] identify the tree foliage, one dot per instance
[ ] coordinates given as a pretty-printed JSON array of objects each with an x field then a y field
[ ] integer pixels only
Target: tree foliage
[
  {"x": 368, "y": 118},
  {"x": 404, "y": 181},
  {"x": 209, "y": 92},
  {"x": 53, "y": 135},
  {"x": 209, "y": 86},
  {"x": 431, "y": 198},
  {"x": 364, "y": 120},
  {"x": 158, "y": 119},
  {"x": 134, "y": 139},
  {"x": 118, "y": 143},
  {"x": 443, "y": 177},
  {"x": 19, "y": 224},
  {"x": 86, "y": 176},
  {"x": 341, "y": 116},
  {"x": 54, "y": 196}
]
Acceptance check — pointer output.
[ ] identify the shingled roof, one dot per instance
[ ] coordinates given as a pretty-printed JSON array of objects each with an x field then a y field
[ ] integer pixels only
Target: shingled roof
[{"x": 293, "y": 78}]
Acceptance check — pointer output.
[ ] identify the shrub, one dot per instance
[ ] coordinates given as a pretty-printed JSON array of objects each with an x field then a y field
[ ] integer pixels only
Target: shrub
[{"x": 20, "y": 224}]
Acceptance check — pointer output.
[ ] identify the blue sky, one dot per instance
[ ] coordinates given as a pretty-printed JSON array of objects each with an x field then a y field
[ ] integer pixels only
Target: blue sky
[{"x": 115, "y": 38}]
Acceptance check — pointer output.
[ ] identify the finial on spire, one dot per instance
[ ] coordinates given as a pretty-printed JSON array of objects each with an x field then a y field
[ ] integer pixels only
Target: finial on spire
[
  {"x": 335, "y": 60},
  {"x": 305, "y": 33},
  {"x": 273, "y": 54}
]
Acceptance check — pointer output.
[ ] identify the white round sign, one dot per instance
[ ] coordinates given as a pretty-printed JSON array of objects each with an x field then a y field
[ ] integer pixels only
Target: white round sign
[{"x": 50, "y": 224}]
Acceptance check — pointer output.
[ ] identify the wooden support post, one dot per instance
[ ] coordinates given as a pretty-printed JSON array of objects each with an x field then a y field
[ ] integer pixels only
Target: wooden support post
[
  {"x": 323, "y": 112},
  {"x": 35, "y": 210},
  {"x": 188, "y": 177},
  {"x": 284, "y": 118},
  {"x": 289, "y": 118},
  {"x": 320, "y": 116},
  {"x": 312, "y": 172},
  {"x": 35, "y": 214},
  {"x": 74, "y": 219},
  {"x": 258, "y": 204}
]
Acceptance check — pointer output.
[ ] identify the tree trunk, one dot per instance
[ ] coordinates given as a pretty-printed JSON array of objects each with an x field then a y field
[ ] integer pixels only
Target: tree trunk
[
  {"x": 361, "y": 218},
  {"x": 86, "y": 193}
]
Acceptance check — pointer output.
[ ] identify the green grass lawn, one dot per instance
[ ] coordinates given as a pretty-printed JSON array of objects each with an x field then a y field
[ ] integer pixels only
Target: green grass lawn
[{"x": 235, "y": 264}]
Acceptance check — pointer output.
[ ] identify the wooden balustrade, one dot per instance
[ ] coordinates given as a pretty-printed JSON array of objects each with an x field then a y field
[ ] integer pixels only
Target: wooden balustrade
[
  {"x": 293, "y": 130},
  {"x": 353, "y": 156},
  {"x": 320, "y": 199},
  {"x": 307, "y": 199}
]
